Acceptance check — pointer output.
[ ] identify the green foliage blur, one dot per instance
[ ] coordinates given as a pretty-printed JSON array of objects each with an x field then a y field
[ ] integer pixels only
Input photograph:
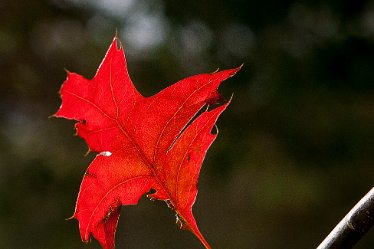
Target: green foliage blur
[{"x": 296, "y": 146}]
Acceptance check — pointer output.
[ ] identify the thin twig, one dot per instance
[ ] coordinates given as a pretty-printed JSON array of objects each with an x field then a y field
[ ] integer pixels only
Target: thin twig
[{"x": 353, "y": 226}]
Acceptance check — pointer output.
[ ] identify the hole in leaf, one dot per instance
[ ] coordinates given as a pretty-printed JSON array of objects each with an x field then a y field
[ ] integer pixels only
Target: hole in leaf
[
  {"x": 197, "y": 114},
  {"x": 214, "y": 130}
]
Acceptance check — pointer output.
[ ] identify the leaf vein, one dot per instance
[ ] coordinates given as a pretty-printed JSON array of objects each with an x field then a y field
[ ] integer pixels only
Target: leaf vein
[{"x": 107, "y": 193}]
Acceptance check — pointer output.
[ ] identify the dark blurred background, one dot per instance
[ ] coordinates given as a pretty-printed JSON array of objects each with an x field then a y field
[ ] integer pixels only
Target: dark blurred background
[{"x": 296, "y": 146}]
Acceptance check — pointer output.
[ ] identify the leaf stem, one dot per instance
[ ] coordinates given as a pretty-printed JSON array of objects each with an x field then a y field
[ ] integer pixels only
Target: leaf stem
[{"x": 353, "y": 226}]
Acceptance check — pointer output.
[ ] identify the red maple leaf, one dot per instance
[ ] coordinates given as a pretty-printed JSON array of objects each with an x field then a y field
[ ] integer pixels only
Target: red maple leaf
[{"x": 143, "y": 143}]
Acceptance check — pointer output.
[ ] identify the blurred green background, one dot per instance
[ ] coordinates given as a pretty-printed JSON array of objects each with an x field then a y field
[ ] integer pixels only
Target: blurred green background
[{"x": 296, "y": 146}]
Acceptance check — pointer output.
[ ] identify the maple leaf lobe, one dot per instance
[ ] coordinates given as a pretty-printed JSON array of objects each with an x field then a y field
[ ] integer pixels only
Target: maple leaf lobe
[{"x": 143, "y": 143}]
